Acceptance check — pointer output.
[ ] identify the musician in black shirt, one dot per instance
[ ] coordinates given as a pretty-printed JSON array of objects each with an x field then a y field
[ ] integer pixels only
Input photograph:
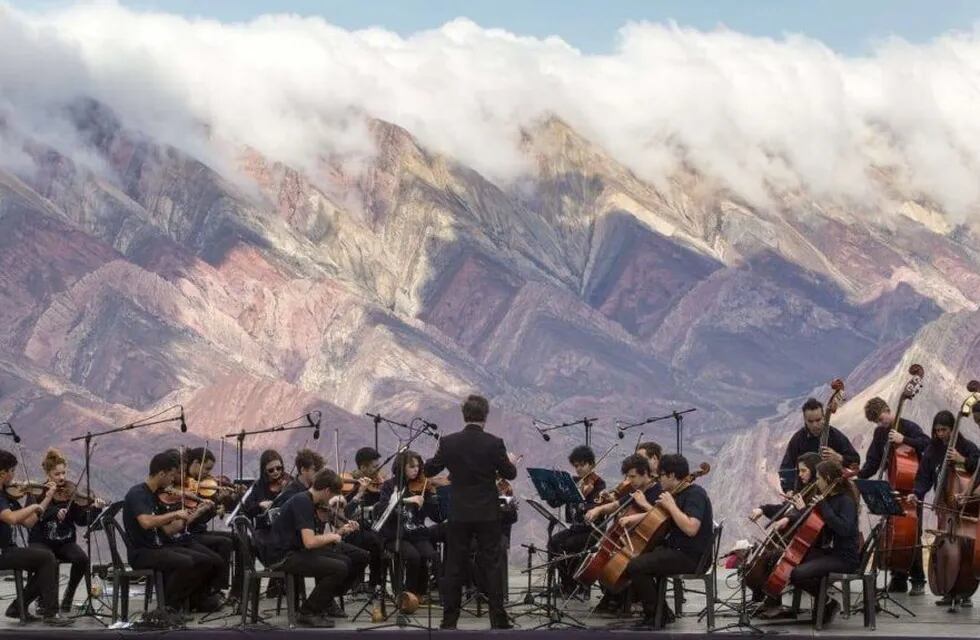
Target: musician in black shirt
[
  {"x": 688, "y": 540},
  {"x": 200, "y": 463},
  {"x": 877, "y": 412},
  {"x": 575, "y": 538},
  {"x": 807, "y": 439},
  {"x": 271, "y": 481},
  {"x": 840, "y": 550},
  {"x": 965, "y": 453},
  {"x": 41, "y": 564}
]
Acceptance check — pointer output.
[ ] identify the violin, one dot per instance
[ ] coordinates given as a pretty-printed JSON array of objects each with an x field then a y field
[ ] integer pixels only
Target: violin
[
  {"x": 68, "y": 492},
  {"x": 277, "y": 485},
  {"x": 504, "y": 487},
  {"x": 586, "y": 484},
  {"x": 173, "y": 498},
  {"x": 421, "y": 485},
  {"x": 219, "y": 489},
  {"x": 352, "y": 481},
  {"x": 18, "y": 490}
]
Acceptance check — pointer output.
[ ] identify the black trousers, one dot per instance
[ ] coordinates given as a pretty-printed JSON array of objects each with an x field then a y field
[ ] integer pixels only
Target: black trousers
[
  {"x": 419, "y": 558},
  {"x": 70, "y": 553},
  {"x": 574, "y": 539},
  {"x": 329, "y": 571},
  {"x": 488, "y": 537},
  {"x": 647, "y": 569},
  {"x": 355, "y": 561},
  {"x": 374, "y": 544},
  {"x": 225, "y": 544},
  {"x": 181, "y": 567},
  {"x": 818, "y": 563},
  {"x": 209, "y": 563},
  {"x": 42, "y": 567}
]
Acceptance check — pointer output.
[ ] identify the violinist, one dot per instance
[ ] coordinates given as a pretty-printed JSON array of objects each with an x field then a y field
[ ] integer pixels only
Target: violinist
[
  {"x": 362, "y": 498},
  {"x": 187, "y": 572},
  {"x": 965, "y": 452},
  {"x": 688, "y": 538},
  {"x": 878, "y": 413},
  {"x": 418, "y": 555},
  {"x": 840, "y": 549},
  {"x": 200, "y": 464},
  {"x": 575, "y": 538},
  {"x": 40, "y": 563},
  {"x": 807, "y": 439},
  {"x": 272, "y": 480},
  {"x": 55, "y": 528}
]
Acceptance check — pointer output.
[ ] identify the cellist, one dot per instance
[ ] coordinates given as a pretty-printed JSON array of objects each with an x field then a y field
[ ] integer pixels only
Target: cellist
[
  {"x": 965, "y": 453},
  {"x": 840, "y": 551},
  {"x": 878, "y": 413},
  {"x": 575, "y": 538},
  {"x": 688, "y": 538},
  {"x": 807, "y": 439}
]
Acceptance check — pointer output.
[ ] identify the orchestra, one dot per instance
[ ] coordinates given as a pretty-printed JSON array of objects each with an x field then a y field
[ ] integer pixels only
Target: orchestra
[{"x": 438, "y": 531}]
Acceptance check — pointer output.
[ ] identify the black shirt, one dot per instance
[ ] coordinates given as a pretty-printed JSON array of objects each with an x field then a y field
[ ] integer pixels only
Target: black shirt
[
  {"x": 297, "y": 514},
  {"x": 651, "y": 493},
  {"x": 291, "y": 489},
  {"x": 7, "y": 531},
  {"x": 694, "y": 502},
  {"x": 914, "y": 437},
  {"x": 140, "y": 500},
  {"x": 412, "y": 517},
  {"x": 840, "y": 532},
  {"x": 805, "y": 442},
  {"x": 51, "y": 531},
  {"x": 928, "y": 474}
]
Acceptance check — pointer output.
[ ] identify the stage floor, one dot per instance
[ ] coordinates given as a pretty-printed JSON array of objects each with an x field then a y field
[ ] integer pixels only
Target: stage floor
[{"x": 929, "y": 621}]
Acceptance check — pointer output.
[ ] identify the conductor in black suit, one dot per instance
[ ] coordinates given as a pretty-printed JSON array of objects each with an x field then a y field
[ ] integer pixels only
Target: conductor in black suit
[{"x": 474, "y": 458}]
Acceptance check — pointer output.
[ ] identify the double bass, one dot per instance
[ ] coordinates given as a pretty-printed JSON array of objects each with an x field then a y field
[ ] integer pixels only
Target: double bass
[
  {"x": 619, "y": 545},
  {"x": 952, "y": 561},
  {"x": 898, "y": 538},
  {"x": 810, "y": 524}
]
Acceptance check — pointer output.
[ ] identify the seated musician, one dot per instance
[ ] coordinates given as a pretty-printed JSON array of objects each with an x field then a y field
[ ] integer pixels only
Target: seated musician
[
  {"x": 296, "y": 548},
  {"x": 56, "y": 527},
  {"x": 41, "y": 564},
  {"x": 188, "y": 571},
  {"x": 418, "y": 555},
  {"x": 780, "y": 517},
  {"x": 689, "y": 536},
  {"x": 877, "y": 412},
  {"x": 200, "y": 463},
  {"x": 807, "y": 439},
  {"x": 575, "y": 538},
  {"x": 965, "y": 452},
  {"x": 271, "y": 481},
  {"x": 653, "y": 453},
  {"x": 363, "y": 498},
  {"x": 840, "y": 550}
]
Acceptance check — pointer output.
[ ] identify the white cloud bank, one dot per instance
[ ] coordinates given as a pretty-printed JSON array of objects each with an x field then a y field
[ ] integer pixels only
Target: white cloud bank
[{"x": 756, "y": 114}]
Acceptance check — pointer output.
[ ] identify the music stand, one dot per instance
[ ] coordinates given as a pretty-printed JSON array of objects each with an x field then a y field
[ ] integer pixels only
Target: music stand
[{"x": 879, "y": 497}]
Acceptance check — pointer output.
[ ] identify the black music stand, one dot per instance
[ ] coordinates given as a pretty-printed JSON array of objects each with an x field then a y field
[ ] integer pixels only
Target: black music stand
[
  {"x": 879, "y": 496},
  {"x": 557, "y": 489}
]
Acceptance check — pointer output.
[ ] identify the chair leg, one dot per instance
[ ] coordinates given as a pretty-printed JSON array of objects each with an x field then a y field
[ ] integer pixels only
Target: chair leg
[
  {"x": 659, "y": 613},
  {"x": 246, "y": 595},
  {"x": 678, "y": 596},
  {"x": 870, "y": 602},
  {"x": 821, "y": 603},
  {"x": 709, "y": 595},
  {"x": 291, "y": 600},
  {"x": 797, "y": 600},
  {"x": 19, "y": 588},
  {"x": 846, "y": 605},
  {"x": 116, "y": 586},
  {"x": 124, "y": 605},
  {"x": 161, "y": 590},
  {"x": 254, "y": 596}
]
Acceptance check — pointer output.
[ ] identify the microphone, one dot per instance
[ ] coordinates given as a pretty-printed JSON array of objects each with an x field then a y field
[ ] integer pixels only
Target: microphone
[
  {"x": 183, "y": 423},
  {"x": 429, "y": 425},
  {"x": 13, "y": 433},
  {"x": 315, "y": 425}
]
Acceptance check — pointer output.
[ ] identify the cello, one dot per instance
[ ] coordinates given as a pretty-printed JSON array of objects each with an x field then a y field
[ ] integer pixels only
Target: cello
[
  {"x": 619, "y": 545},
  {"x": 898, "y": 538},
  {"x": 951, "y": 563}
]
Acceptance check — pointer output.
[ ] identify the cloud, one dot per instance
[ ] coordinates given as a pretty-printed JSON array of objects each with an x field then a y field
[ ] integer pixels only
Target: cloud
[{"x": 758, "y": 115}]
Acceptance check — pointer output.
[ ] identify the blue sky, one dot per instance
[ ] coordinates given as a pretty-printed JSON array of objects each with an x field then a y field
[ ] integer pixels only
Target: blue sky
[{"x": 850, "y": 27}]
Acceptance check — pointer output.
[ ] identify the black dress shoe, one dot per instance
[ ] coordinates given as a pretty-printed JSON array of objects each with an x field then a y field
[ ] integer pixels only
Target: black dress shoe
[
  {"x": 13, "y": 611},
  {"x": 333, "y": 610},
  {"x": 898, "y": 585},
  {"x": 448, "y": 624}
]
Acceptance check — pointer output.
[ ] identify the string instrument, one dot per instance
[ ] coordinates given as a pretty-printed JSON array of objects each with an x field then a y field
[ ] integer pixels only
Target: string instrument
[
  {"x": 276, "y": 486},
  {"x": 759, "y": 561},
  {"x": 352, "y": 480},
  {"x": 898, "y": 538},
  {"x": 619, "y": 545},
  {"x": 68, "y": 492},
  {"x": 504, "y": 487},
  {"x": 952, "y": 561},
  {"x": 218, "y": 489},
  {"x": 835, "y": 400},
  {"x": 18, "y": 490},
  {"x": 805, "y": 536}
]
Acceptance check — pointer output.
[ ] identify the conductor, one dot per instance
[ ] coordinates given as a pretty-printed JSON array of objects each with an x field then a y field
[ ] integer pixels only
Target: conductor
[{"x": 474, "y": 458}]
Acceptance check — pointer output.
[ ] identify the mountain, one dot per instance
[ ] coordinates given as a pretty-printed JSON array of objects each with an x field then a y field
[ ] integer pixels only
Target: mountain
[{"x": 139, "y": 275}]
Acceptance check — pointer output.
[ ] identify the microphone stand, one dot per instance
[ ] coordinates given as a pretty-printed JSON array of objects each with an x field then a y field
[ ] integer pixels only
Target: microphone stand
[
  {"x": 285, "y": 426},
  {"x": 402, "y": 621},
  {"x": 378, "y": 419},
  {"x": 678, "y": 417},
  {"x": 588, "y": 423},
  {"x": 87, "y": 608}
]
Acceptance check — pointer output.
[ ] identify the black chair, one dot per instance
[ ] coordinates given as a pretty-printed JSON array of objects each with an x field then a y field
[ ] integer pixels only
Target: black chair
[
  {"x": 252, "y": 577},
  {"x": 706, "y": 572},
  {"x": 865, "y": 574},
  {"x": 123, "y": 575},
  {"x": 19, "y": 589}
]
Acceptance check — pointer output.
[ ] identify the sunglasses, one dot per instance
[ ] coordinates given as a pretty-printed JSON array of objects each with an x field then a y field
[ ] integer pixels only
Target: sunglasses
[{"x": 273, "y": 469}]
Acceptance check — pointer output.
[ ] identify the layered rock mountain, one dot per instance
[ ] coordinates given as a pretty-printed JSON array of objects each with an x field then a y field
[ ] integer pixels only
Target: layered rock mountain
[{"x": 252, "y": 292}]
